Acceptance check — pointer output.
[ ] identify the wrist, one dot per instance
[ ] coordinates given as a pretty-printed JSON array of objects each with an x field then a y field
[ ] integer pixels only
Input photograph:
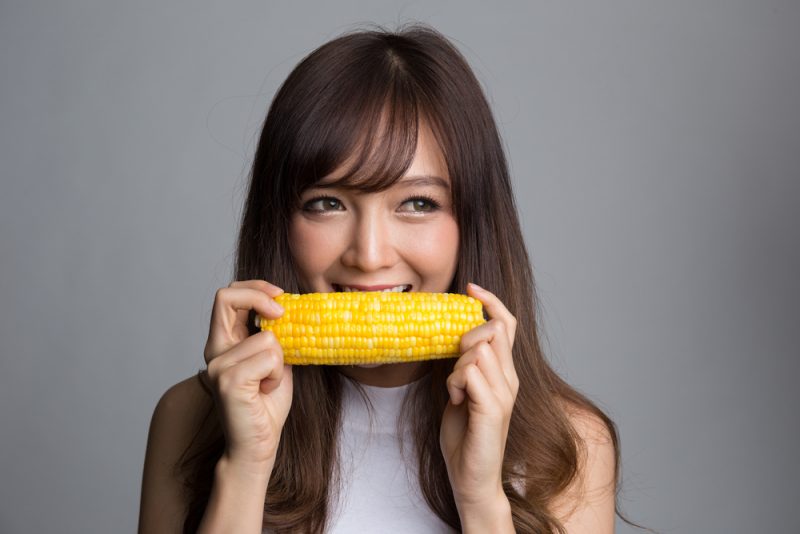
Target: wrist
[
  {"x": 246, "y": 471},
  {"x": 493, "y": 515},
  {"x": 236, "y": 503}
]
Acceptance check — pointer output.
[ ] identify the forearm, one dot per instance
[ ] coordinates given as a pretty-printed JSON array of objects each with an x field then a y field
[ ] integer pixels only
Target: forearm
[
  {"x": 494, "y": 517},
  {"x": 237, "y": 498}
]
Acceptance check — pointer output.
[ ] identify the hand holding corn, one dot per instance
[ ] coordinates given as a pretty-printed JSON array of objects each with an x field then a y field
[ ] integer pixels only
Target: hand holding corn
[
  {"x": 251, "y": 384},
  {"x": 371, "y": 326}
]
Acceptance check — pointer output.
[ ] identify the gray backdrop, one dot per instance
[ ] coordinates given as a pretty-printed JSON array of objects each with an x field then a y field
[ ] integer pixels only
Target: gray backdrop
[{"x": 655, "y": 150}]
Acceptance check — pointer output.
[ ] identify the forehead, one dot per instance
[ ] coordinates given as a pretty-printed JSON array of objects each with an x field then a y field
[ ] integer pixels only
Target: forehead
[
  {"x": 428, "y": 158},
  {"x": 428, "y": 166}
]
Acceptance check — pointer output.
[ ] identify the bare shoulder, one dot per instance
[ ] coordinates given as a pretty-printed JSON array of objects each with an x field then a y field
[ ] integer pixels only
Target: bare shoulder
[
  {"x": 588, "y": 505},
  {"x": 177, "y": 417},
  {"x": 187, "y": 398},
  {"x": 590, "y": 427}
]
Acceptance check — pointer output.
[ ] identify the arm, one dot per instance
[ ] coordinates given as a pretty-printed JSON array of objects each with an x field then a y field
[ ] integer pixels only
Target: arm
[
  {"x": 586, "y": 507},
  {"x": 176, "y": 416},
  {"x": 236, "y": 502}
]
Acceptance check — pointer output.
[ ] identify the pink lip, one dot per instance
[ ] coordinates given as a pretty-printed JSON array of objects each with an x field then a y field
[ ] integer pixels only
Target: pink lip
[{"x": 371, "y": 288}]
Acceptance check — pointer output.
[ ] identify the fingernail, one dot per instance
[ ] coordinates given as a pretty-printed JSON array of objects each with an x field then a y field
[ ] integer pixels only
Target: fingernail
[
  {"x": 476, "y": 286},
  {"x": 277, "y": 307}
]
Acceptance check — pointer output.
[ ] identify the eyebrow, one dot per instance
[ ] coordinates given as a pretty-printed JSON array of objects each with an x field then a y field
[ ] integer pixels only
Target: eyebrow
[
  {"x": 425, "y": 179},
  {"x": 407, "y": 181}
]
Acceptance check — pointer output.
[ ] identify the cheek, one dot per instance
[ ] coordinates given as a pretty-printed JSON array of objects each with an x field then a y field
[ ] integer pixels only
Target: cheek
[
  {"x": 447, "y": 239},
  {"x": 437, "y": 245},
  {"x": 311, "y": 246}
]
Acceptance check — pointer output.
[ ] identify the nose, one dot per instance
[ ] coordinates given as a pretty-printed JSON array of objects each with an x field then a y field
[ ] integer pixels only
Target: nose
[{"x": 370, "y": 245}]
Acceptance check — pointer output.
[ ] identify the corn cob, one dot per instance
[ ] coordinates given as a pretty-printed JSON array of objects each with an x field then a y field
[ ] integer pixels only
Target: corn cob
[{"x": 346, "y": 328}]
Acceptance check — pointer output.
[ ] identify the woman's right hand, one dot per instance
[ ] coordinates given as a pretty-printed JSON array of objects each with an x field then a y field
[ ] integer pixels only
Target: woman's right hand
[{"x": 252, "y": 386}]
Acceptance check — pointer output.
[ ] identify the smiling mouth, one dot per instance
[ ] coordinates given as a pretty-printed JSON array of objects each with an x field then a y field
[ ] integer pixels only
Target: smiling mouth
[{"x": 403, "y": 288}]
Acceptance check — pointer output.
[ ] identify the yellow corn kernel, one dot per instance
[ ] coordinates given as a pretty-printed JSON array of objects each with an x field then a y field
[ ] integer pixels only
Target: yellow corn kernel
[{"x": 364, "y": 327}]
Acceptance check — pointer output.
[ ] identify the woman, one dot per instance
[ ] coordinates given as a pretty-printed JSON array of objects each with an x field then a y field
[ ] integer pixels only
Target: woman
[{"x": 379, "y": 165}]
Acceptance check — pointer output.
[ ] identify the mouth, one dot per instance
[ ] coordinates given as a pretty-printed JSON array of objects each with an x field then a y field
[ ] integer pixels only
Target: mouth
[{"x": 386, "y": 288}]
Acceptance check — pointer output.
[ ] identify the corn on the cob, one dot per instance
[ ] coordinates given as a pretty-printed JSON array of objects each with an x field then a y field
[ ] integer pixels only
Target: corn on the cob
[{"x": 371, "y": 326}]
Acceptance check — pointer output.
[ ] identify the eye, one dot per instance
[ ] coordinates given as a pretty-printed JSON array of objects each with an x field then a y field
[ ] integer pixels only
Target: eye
[
  {"x": 322, "y": 204},
  {"x": 421, "y": 204}
]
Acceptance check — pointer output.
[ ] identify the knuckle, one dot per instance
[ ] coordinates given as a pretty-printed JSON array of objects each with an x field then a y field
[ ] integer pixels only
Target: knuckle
[
  {"x": 484, "y": 349},
  {"x": 226, "y": 382},
  {"x": 213, "y": 369},
  {"x": 467, "y": 358},
  {"x": 499, "y": 327},
  {"x": 452, "y": 378},
  {"x": 277, "y": 355},
  {"x": 270, "y": 356},
  {"x": 467, "y": 370},
  {"x": 220, "y": 295},
  {"x": 267, "y": 339},
  {"x": 273, "y": 356},
  {"x": 471, "y": 371}
]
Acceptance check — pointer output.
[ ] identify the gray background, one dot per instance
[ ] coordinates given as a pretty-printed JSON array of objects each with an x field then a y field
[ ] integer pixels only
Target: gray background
[{"x": 655, "y": 149}]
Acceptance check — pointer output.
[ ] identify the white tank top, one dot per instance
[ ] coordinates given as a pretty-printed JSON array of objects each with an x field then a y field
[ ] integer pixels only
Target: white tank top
[
  {"x": 380, "y": 490},
  {"x": 380, "y": 487}
]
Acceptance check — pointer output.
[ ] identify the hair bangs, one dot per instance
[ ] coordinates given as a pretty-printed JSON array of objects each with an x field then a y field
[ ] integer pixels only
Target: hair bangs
[{"x": 364, "y": 135}]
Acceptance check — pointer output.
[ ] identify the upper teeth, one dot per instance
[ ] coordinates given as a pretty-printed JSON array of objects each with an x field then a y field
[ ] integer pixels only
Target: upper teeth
[{"x": 395, "y": 289}]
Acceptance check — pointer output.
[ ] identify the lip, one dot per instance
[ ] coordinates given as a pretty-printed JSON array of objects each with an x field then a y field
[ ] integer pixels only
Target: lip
[{"x": 377, "y": 287}]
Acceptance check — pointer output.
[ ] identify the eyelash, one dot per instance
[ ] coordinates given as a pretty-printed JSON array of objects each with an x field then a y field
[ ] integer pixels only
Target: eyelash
[{"x": 434, "y": 205}]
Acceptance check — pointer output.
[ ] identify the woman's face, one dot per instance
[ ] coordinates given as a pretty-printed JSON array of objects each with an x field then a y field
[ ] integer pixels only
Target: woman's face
[{"x": 403, "y": 238}]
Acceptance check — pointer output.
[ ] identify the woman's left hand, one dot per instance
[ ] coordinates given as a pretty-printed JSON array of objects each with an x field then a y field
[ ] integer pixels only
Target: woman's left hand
[{"x": 483, "y": 387}]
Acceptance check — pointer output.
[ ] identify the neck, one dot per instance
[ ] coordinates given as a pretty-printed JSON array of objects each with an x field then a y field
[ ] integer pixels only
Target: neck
[{"x": 388, "y": 375}]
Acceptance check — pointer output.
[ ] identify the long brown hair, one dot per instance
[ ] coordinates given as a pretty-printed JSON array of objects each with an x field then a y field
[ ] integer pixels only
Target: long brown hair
[{"x": 359, "y": 99}]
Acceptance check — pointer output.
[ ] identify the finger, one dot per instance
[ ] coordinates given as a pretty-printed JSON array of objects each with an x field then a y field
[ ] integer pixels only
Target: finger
[
  {"x": 466, "y": 358},
  {"x": 469, "y": 382},
  {"x": 229, "y": 315},
  {"x": 457, "y": 384},
  {"x": 473, "y": 354},
  {"x": 244, "y": 298},
  {"x": 489, "y": 364},
  {"x": 493, "y": 332},
  {"x": 494, "y": 308},
  {"x": 286, "y": 377},
  {"x": 263, "y": 370},
  {"x": 262, "y": 285},
  {"x": 254, "y": 344}
]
